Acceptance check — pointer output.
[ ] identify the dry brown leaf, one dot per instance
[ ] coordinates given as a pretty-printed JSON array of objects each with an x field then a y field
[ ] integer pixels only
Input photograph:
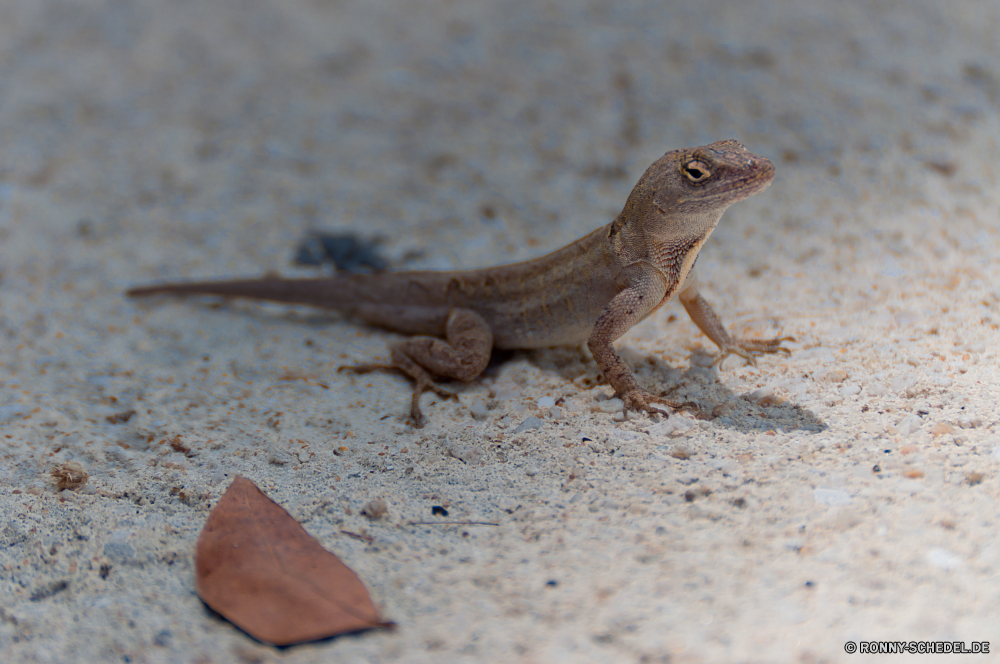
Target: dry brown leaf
[{"x": 259, "y": 569}]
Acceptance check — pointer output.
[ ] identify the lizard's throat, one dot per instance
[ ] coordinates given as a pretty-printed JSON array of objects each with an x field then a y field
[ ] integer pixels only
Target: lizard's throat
[{"x": 676, "y": 252}]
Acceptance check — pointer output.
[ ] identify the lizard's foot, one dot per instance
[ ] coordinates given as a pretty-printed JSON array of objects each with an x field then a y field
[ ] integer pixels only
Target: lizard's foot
[
  {"x": 422, "y": 382},
  {"x": 641, "y": 400},
  {"x": 746, "y": 348}
]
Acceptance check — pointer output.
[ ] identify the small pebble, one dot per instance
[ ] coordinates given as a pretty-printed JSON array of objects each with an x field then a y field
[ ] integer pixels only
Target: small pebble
[
  {"x": 877, "y": 390},
  {"x": 943, "y": 559},
  {"x": 279, "y": 458},
  {"x": 941, "y": 381},
  {"x": 908, "y": 425},
  {"x": 119, "y": 552},
  {"x": 614, "y": 405},
  {"x": 674, "y": 426},
  {"x": 849, "y": 391},
  {"x": 478, "y": 409},
  {"x": 836, "y": 376},
  {"x": 832, "y": 497},
  {"x": 970, "y": 422},
  {"x": 529, "y": 424},
  {"x": 375, "y": 509},
  {"x": 903, "y": 383},
  {"x": 466, "y": 452},
  {"x": 762, "y": 393}
]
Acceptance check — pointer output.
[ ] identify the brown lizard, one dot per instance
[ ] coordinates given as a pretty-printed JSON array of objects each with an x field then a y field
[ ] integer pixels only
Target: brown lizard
[{"x": 593, "y": 290}]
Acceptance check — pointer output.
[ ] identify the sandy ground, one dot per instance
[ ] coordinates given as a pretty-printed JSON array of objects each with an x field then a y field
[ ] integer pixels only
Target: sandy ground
[{"x": 848, "y": 492}]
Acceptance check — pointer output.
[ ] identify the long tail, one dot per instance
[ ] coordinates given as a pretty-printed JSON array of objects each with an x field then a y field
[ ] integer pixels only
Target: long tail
[
  {"x": 389, "y": 299},
  {"x": 324, "y": 292}
]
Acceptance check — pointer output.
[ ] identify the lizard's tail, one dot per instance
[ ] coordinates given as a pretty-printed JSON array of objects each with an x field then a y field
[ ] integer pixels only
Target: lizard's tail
[
  {"x": 385, "y": 299},
  {"x": 330, "y": 293}
]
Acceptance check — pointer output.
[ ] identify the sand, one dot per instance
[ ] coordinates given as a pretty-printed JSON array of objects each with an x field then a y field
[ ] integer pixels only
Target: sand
[{"x": 848, "y": 492}]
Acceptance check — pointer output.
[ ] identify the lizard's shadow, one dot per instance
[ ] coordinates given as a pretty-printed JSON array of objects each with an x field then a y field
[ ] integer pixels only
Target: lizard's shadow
[
  {"x": 703, "y": 386},
  {"x": 696, "y": 384}
]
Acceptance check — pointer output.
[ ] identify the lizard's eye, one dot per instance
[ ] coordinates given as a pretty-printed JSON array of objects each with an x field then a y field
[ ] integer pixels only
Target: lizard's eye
[{"x": 697, "y": 171}]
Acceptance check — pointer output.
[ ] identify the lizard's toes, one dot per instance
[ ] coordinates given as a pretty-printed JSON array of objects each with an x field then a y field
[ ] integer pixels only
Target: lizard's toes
[
  {"x": 658, "y": 409},
  {"x": 781, "y": 349},
  {"x": 649, "y": 403},
  {"x": 438, "y": 390},
  {"x": 734, "y": 350}
]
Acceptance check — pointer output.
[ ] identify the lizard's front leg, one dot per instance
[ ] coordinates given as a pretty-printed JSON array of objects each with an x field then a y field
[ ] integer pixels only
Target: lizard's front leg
[
  {"x": 705, "y": 318},
  {"x": 647, "y": 288},
  {"x": 463, "y": 354}
]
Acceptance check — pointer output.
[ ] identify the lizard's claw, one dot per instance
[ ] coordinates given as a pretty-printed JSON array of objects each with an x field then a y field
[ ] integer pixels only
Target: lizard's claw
[
  {"x": 641, "y": 400},
  {"x": 421, "y": 383},
  {"x": 746, "y": 348},
  {"x": 420, "y": 386}
]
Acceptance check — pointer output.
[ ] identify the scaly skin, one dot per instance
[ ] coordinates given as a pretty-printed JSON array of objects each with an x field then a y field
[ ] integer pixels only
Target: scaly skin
[{"x": 592, "y": 290}]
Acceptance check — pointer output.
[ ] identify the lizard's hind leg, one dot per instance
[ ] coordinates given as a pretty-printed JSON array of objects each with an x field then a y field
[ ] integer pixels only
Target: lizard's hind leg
[
  {"x": 463, "y": 354},
  {"x": 400, "y": 361}
]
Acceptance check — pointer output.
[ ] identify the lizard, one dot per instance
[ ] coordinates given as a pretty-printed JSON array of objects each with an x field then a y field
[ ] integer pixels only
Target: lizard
[{"x": 593, "y": 290}]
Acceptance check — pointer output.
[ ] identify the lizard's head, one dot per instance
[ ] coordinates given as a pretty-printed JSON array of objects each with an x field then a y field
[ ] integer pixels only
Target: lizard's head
[{"x": 705, "y": 179}]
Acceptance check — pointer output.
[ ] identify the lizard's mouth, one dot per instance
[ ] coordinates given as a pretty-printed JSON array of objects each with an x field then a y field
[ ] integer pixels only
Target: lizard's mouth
[{"x": 756, "y": 180}]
